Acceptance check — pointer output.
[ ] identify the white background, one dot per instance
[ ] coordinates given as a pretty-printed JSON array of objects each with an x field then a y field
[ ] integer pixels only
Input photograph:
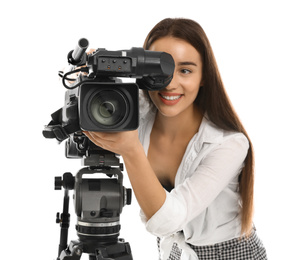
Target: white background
[{"x": 258, "y": 46}]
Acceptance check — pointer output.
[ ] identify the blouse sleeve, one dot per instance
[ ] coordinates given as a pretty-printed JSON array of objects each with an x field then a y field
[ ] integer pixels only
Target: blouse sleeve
[{"x": 189, "y": 199}]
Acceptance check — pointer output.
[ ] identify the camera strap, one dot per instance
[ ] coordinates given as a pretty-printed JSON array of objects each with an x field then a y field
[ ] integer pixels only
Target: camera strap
[{"x": 55, "y": 129}]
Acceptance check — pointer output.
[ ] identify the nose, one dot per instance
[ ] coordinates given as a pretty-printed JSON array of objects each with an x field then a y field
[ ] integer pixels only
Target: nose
[{"x": 173, "y": 84}]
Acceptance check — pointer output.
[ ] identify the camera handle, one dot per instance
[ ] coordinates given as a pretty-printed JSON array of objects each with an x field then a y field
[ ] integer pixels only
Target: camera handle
[
  {"x": 55, "y": 128},
  {"x": 64, "y": 218}
]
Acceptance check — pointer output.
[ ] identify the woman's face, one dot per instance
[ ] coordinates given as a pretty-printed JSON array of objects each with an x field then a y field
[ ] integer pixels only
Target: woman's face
[{"x": 179, "y": 96}]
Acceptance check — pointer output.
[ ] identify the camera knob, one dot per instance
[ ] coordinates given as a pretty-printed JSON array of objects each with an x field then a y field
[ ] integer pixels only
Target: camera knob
[
  {"x": 128, "y": 196},
  {"x": 58, "y": 183},
  {"x": 68, "y": 181}
]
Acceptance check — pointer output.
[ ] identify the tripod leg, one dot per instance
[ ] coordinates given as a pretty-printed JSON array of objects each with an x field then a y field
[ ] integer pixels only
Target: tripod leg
[{"x": 73, "y": 252}]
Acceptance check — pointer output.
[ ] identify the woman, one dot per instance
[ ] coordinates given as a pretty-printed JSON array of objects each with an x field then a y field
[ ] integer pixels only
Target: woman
[{"x": 191, "y": 162}]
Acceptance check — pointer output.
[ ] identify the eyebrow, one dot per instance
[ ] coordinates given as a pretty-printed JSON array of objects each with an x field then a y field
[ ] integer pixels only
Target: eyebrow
[{"x": 187, "y": 63}]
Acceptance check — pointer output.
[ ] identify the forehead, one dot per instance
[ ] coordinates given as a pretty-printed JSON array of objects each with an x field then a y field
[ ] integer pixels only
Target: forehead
[{"x": 180, "y": 50}]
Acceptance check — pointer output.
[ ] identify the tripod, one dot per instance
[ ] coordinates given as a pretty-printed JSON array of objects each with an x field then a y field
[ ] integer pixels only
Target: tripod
[{"x": 98, "y": 205}]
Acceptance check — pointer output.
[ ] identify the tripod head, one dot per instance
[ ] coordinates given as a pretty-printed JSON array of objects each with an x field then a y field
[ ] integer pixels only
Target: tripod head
[{"x": 98, "y": 204}]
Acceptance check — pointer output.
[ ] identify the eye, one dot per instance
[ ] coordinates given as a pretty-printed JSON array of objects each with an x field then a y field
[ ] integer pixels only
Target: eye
[{"x": 185, "y": 71}]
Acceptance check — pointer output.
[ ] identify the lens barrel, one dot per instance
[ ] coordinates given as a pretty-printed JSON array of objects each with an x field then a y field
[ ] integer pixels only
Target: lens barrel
[{"x": 109, "y": 107}]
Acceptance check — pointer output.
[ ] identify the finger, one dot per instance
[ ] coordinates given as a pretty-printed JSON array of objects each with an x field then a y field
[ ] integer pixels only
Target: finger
[
  {"x": 93, "y": 138},
  {"x": 102, "y": 136},
  {"x": 91, "y": 51}
]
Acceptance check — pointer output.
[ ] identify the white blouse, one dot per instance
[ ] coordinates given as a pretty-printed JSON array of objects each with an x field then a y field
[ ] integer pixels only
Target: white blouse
[{"x": 205, "y": 203}]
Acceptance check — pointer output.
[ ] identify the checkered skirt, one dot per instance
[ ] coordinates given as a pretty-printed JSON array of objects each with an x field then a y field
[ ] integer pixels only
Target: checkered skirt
[{"x": 250, "y": 248}]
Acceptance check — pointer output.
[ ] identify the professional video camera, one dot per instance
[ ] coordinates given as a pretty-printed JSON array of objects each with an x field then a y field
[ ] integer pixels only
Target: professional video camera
[{"x": 97, "y": 100}]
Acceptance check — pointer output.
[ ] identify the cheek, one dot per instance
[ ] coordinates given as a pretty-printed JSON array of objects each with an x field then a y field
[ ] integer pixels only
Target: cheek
[
  {"x": 195, "y": 85},
  {"x": 194, "y": 94},
  {"x": 153, "y": 95},
  {"x": 192, "y": 87}
]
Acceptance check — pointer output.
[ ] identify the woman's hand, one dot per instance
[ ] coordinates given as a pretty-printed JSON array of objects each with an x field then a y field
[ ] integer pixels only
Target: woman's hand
[{"x": 122, "y": 143}]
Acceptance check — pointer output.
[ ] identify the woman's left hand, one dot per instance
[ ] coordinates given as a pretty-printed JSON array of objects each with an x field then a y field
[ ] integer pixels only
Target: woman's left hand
[{"x": 118, "y": 142}]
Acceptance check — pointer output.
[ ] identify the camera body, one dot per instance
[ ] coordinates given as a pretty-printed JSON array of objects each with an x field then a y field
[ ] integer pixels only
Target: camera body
[{"x": 97, "y": 100}]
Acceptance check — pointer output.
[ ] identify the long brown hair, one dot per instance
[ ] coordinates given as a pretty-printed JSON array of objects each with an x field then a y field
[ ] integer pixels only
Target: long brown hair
[{"x": 212, "y": 99}]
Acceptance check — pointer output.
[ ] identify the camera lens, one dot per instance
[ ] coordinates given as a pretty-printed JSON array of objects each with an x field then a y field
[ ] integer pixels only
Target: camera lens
[{"x": 108, "y": 107}]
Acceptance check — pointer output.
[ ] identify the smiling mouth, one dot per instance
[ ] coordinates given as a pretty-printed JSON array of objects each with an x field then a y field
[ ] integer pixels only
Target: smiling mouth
[{"x": 171, "y": 97}]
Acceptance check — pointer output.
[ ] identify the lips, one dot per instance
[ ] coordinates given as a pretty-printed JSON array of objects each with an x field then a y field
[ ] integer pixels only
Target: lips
[{"x": 170, "y": 98}]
